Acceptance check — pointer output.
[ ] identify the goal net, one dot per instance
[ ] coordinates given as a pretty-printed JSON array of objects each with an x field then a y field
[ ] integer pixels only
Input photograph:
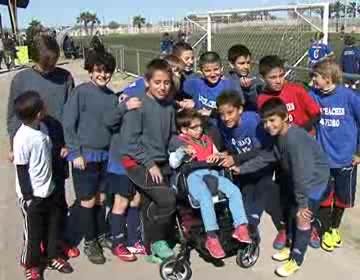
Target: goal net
[{"x": 286, "y": 31}]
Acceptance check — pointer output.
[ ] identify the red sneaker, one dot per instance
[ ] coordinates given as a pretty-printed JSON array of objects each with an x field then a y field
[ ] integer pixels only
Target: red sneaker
[
  {"x": 280, "y": 240},
  {"x": 123, "y": 253},
  {"x": 70, "y": 252},
  {"x": 212, "y": 244},
  {"x": 137, "y": 249},
  {"x": 33, "y": 273},
  {"x": 241, "y": 233}
]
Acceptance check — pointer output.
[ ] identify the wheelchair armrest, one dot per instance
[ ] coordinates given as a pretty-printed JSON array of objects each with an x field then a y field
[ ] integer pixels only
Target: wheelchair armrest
[{"x": 187, "y": 168}]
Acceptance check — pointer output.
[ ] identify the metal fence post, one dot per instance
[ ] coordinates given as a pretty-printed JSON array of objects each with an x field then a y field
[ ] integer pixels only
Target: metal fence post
[
  {"x": 138, "y": 62},
  {"x": 209, "y": 35}
]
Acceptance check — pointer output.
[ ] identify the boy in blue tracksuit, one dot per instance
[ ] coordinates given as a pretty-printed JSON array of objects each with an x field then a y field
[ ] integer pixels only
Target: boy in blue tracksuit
[
  {"x": 244, "y": 136},
  {"x": 350, "y": 61},
  {"x": 338, "y": 134},
  {"x": 239, "y": 57}
]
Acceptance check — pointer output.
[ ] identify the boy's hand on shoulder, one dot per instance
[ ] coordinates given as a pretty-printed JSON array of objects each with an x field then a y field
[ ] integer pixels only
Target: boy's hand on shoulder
[
  {"x": 186, "y": 104},
  {"x": 64, "y": 152},
  {"x": 79, "y": 163},
  {"x": 133, "y": 103},
  {"x": 155, "y": 174}
]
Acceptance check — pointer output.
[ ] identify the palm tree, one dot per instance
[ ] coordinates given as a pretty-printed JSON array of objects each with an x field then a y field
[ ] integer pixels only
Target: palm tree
[
  {"x": 139, "y": 21},
  {"x": 351, "y": 9},
  {"x": 87, "y": 18}
]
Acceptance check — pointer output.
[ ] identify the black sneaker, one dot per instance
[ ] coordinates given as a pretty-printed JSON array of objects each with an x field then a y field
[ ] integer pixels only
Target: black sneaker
[
  {"x": 94, "y": 252},
  {"x": 105, "y": 243},
  {"x": 60, "y": 265}
]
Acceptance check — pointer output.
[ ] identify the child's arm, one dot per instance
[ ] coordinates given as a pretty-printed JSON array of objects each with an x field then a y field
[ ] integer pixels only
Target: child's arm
[
  {"x": 21, "y": 161},
  {"x": 12, "y": 121},
  {"x": 22, "y": 172},
  {"x": 261, "y": 161},
  {"x": 355, "y": 105},
  {"x": 70, "y": 122},
  {"x": 112, "y": 119},
  {"x": 176, "y": 158},
  {"x": 312, "y": 109},
  {"x": 301, "y": 163}
]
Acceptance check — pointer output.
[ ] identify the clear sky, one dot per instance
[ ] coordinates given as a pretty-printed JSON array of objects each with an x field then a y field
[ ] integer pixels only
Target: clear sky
[{"x": 64, "y": 12}]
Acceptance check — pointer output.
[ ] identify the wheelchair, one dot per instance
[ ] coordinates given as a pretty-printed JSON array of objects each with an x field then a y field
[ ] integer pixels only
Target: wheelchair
[{"x": 190, "y": 232}]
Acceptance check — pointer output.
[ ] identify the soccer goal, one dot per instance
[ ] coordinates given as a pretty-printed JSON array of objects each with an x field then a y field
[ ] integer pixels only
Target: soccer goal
[{"x": 285, "y": 30}]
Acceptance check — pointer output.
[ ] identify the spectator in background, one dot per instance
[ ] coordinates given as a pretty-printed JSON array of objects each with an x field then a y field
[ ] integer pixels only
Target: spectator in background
[
  {"x": 166, "y": 45},
  {"x": 318, "y": 49},
  {"x": 350, "y": 61}
]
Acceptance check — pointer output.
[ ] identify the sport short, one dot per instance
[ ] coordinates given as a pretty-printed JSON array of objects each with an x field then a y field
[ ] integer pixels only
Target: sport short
[
  {"x": 89, "y": 182},
  {"x": 341, "y": 188}
]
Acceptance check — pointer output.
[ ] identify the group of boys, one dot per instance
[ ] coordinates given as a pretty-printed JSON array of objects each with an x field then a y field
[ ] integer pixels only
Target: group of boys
[{"x": 262, "y": 129}]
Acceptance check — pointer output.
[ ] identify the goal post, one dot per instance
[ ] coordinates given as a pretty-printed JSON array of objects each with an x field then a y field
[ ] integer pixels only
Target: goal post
[{"x": 284, "y": 30}]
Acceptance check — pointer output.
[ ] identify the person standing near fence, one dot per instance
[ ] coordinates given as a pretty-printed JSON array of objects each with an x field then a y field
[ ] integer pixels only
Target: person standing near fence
[
  {"x": 319, "y": 50},
  {"x": 350, "y": 61}
]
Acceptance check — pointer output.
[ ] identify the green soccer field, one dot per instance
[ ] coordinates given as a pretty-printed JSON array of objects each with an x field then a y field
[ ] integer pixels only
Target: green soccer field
[{"x": 290, "y": 46}]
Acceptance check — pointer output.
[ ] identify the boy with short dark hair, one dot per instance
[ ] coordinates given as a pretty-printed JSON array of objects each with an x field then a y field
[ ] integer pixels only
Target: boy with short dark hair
[
  {"x": 88, "y": 140},
  {"x": 185, "y": 52},
  {"x": 303, "y": 112},
  {"x": 239, "y": 57},
  {"x": 338, "y": 134},
  {"x": 205, "y": 89},
  {"x": 244, "y": 137},
  {"x": 39, "y": 200},
  {"x": 306, "y": 170},
  {"x": 145, "y": 137}
]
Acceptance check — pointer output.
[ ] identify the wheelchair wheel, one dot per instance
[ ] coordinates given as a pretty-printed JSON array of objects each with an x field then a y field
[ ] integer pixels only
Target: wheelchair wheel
[
  {"x": 173, "y": 269},
  {"x": 248, "y": 256}
]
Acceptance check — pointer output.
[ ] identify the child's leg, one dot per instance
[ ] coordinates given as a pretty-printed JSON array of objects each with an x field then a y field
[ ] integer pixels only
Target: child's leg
[
  {"x": 118, "y": 220},
  {"x": 199, "y": 191},
  {"x": 236, "y": 205},
  {"x": 157, "y": 210},
  {"x": 86, "y": 183},
  {"x": 53, "y": 222},
  {"x": 33, "y": 231},
  {"x": 133, "y": 221},
  {"x": 345, "y": 189},
  {"x": 100, "y": 216}
]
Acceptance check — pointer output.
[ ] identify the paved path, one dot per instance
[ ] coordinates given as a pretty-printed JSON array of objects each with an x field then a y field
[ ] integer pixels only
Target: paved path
[{"x": 343, "y": 263}]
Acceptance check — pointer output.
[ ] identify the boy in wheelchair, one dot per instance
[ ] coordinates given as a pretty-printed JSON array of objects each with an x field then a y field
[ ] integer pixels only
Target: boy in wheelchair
[{"x": 198, "y": 147}]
